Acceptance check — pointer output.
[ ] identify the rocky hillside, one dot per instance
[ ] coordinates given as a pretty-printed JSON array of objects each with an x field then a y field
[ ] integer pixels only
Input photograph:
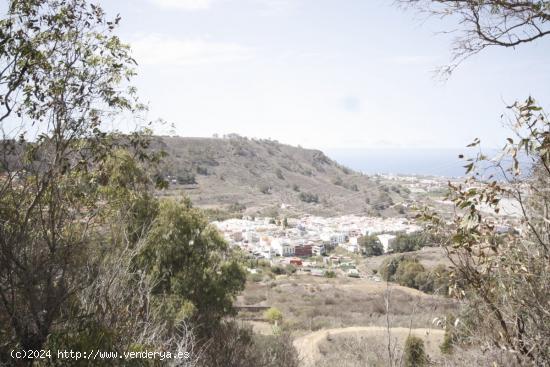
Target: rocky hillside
[{"x": 240, "y": 175}]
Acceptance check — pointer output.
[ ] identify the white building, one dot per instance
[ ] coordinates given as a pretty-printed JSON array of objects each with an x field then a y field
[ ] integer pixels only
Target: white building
[
  {"x": 251, "y": 237},
  {"x": 352, "y": 247},
  {"x": 318, "y": 250},
  {"x": 386, "y": 240},
  {"x": 282, "y": 247},
  {"x": 333, "y": 238}
]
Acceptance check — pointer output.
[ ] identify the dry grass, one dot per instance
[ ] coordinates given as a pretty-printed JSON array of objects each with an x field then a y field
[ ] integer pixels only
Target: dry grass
[
  {"x": 312, "y": 303},
  {"x": 353, "y": 311},
  {"x": 370, "y": 349},
  {"x": 369, "y": 346}
]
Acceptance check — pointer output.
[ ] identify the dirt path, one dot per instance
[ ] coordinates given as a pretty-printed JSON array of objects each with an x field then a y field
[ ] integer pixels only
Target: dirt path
[{"x": 307, "y": 345}]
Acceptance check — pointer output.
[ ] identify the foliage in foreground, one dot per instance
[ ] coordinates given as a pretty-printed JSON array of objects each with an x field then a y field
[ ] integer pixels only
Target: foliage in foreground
[
  {"x": 89, "y": 257},
  {"x": 236, "y": 345},
  {"x": 504, "y": 272}
]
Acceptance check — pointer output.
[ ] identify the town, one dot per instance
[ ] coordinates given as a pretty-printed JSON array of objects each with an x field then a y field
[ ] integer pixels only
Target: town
[{"x": 310, "y": 235}]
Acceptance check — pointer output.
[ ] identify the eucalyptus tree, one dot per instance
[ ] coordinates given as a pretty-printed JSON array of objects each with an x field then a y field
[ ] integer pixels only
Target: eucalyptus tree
[
  {"x": 487, "y": 23},
  {"x": 63, "y": 74}
]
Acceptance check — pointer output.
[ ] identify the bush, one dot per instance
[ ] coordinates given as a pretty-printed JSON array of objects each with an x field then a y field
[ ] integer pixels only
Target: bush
[
  {"x": 236, "y": 207},
  {"x": 309, "y": 197},
  {"x": 186, "y": 178},
  {"x": 290, "y": 269},
  {"x": 273, "y": 315},
  {"x": 202, "y": 171},
  {"x": 414, "y": 354},
  {"x": 389, "y": 267},
  {"x": 276, "y": 351},
  {"x": 278, "y": 270},
  {"x": 408, "y": 271},
  {"x": 330, "y": 274}
]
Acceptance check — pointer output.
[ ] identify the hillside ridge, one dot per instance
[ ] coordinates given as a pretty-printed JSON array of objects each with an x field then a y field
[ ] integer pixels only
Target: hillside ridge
[{"x": 259, "y": 176}]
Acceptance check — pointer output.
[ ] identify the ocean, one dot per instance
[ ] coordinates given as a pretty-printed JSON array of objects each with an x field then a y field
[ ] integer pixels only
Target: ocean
[{"x": 429, "y": 162}]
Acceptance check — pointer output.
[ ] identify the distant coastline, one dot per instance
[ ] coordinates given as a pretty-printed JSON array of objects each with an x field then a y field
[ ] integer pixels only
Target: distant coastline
[{"x": 407, "y": 161}]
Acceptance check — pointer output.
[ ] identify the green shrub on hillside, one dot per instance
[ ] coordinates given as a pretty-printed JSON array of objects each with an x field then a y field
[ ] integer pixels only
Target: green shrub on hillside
[
  {"x": 273, "y": 315},
  {"x": 186, "y": 178},
  {"x": 309, "y": 197},
  {"x": 389, "y": 267},
  {"x": 410, "y": 273},
  {"x": 414, "y": 354}
]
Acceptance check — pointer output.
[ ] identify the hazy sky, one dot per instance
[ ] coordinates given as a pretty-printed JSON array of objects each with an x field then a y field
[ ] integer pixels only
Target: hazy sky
[{"x": 320, "y": 73}]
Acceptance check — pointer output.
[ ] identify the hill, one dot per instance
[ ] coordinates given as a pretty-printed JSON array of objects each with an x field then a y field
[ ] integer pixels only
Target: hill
[{"x": 253, "y": 176}]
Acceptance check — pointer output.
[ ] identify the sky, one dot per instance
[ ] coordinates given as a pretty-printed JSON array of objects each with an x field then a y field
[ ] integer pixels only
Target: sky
[{"x": 326, "y": 74}]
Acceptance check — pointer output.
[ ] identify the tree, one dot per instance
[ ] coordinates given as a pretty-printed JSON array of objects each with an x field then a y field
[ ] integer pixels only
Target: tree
[
  {"x": 63, "y": 72},
  {"x": 195, "y": 274},
  {"x": 75, "y": 201},
  {"x": 505, "y": 274},
  {"x": 503, "y": 23},
  {"x": 371, "y": 245},
  {"x": 285, "y": 223}
]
